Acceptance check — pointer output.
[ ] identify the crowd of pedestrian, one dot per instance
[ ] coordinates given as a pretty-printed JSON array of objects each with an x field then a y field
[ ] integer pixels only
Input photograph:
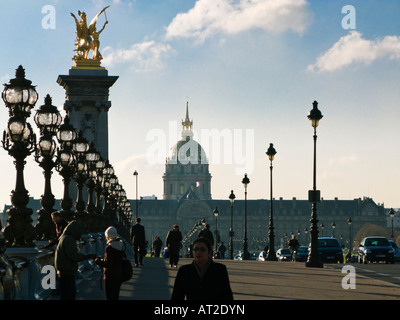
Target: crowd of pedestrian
[{"x": 202, "y": 279}]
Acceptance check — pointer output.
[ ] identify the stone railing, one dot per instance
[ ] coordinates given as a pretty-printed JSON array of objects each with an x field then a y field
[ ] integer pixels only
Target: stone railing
[{"x": 23, "y": 271}]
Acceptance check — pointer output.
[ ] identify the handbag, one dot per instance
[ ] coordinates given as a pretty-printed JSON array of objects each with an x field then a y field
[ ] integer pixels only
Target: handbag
[{"x": 127, "y": 270}]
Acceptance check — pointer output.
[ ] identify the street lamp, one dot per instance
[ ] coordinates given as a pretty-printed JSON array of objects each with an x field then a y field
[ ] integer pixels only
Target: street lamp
[
  {"x": 19, "y": 141},
  {"x": 314, "y": 260},
  {"x": 333, "y": 229},
  {"x": 231, "y": 233},
  {"x": 136, "y": 202},
  {"x": 80, "y": 146},
  {"x": 391, "y": 214},
  {"x": 47, "y": 119},
  {"x": 349, "y": 222},
  {"x": 216, "y": 228},
  {"x": 65, "y": 165},
  {"x": 246, "y": 254},
  {"x": 271, "y": 254}
]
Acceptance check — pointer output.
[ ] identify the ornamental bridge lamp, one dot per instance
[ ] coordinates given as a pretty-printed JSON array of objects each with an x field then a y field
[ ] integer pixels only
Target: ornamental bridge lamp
[
  {"x": 19, "y": 141},
  {"x": 66, "y": 165},
  {"x": 47, "y": 119},
  {"x": 314, "y": 259}
]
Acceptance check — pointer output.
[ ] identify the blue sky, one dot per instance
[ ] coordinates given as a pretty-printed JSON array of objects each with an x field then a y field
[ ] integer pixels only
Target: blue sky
[{"x": 250, "y": 70}]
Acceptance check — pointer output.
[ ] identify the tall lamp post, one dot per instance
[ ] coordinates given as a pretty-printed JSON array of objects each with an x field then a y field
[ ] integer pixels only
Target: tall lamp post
[
  {"x": 349, "y": 223},
  {"x": 216, "y": 228},
  {"x": 391, "y": 214},
  {"x": 271, "y": 254},
  {"x": 314, "y": 260},
  {"x": 65, "y": 165},
  {"x": 246, "y": 254},
  {"x": 333, "y": 229},
  {"x": 47, "y": 119},
  {"x": 231, "y": 233},
  {"x": 80, "y": 146},
  {"x": 19, "y": 141},
  {"x": 136, "y": 202}
]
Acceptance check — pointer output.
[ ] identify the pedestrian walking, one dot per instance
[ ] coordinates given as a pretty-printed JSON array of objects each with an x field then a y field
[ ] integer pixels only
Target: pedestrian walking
[
  {"x": 138, "y": 241},
  {"x": 203, "y": 279},
  {"x": 222, "y": 250},
  {"x": 206, "y": 233},
  {"x": 67, "y": 257},
  {"x": 112, "y": 263},
  {"x": 157, "y": 244},
  {"x": 293, "y": 246},
  {"x": 60, "y": 224},
  {"x": 173, "y": 243}
]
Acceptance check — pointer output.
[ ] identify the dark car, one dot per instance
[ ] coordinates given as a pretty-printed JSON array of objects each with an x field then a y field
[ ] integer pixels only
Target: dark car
[
  {"x": 374, "y": 249},
  {"x": 396, "y": 250},
  {"x": 301, "y": 254},
  {"x": 330, "y": 250}
]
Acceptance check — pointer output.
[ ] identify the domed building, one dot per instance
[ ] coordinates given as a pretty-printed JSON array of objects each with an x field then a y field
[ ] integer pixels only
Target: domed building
[{"x": 186, "y": 167}]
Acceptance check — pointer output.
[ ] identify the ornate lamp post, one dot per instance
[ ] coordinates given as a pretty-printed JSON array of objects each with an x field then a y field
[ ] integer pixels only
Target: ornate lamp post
[
  {"x": 314, "y": 260},
  {"x": 391, "y": 214},
  {"x": 80, "y": 147},
  {"x": 19, "y": 141},
  {"x": 271, "y": 254},
  {"x": 47, "y": 119},
  {"x": 91, "y": 157},
  {"x": 136, "y": 202},
  {"x": 98, "y": 189},
  {"x": 216, "y": 212},
  {"x": 333, "y": 229},
  {"x": 246, "y": 254},
  {"x": 231, "y": 233},
  {"x": 65, "y": 165},
  {"x": 349, "y": 223}
]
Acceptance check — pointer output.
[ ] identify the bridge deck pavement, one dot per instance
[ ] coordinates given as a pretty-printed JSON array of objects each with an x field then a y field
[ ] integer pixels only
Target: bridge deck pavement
[{"x": 250, "y": 280}]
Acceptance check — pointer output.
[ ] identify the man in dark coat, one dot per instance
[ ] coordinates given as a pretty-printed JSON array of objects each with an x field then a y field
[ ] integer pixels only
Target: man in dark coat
[
  {"x": 206, "y": 233},
  {"x": 173, "y": 243},
  {"x": 203, "y": 279},
  {"x": 66, "y": 259},
  {"x": 138, "y": 241}
]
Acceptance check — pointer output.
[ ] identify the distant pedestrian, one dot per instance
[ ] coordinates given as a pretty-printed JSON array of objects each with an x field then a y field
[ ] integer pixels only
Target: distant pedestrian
[
  {"x": 293, "y": 246},
  {"x": 112, "y": 264},
  {"x": 157, "y": 244},
  {"x": 138, "y": 241},
  {"x": 61, "y": 224},
  {"x": 203, "y": 279},
  {"x": 173, "y": 243},
  {"x": 66, "y": 259},
  {"x": 222, "y": 250},
  {"x": 206, "y": 233}
]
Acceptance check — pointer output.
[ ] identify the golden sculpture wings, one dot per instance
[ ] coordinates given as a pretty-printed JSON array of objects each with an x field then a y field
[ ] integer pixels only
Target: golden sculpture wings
[{"x": 87, "y": 38}]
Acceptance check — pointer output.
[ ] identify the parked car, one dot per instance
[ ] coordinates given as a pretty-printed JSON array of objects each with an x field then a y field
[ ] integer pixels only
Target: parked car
[
  {"x": 374, "y": 249},
  {"x": 330, "y": 250},
  {"x": 396, "y": 250},
  {"x": 284, "y": 254},
  {"x": 301, "y": 254},
  {"x": 262, "y": 256}
]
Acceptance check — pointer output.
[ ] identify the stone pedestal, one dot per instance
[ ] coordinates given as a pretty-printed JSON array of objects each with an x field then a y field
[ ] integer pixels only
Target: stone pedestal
[{"x": 87, "y": 104}]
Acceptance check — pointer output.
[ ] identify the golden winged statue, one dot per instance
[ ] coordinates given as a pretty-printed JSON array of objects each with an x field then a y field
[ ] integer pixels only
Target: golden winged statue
[{"x": 87, "y": 38}]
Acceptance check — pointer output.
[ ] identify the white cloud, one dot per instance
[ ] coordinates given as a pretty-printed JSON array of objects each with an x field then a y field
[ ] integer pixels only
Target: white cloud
[
  {"x": 352, "y": 48},
  {"x": 144, "y": 57},
  {"x": 210, "y": 17}
]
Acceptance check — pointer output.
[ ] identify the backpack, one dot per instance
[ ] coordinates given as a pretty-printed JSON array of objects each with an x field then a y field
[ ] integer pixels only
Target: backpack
[{"x": 127, "y": 271}]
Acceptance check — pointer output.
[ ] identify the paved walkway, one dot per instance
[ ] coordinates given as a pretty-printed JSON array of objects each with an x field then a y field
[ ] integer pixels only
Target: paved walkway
[{"x": 250, "y": 280}]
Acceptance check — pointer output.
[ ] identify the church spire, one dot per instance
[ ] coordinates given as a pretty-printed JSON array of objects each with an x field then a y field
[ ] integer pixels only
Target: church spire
[{"x": 187, "y": 124}]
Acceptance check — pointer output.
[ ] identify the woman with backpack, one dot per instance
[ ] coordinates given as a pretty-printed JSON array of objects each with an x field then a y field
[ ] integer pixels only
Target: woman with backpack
[{"x": 112, "y": 264}]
